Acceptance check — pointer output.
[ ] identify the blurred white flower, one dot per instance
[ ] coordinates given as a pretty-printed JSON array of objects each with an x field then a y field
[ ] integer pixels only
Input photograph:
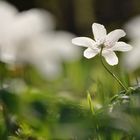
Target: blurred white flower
[
  {"x": 48, "y": 52},
  {"x": 28, "y": 37},
  {"x": 7, "y": 14},
  {"x": 109, "y": 41},
  {"x": 132, "y": 59},
  {"x": 16, "y": 29},
  {"x": 132, "y": 28}
]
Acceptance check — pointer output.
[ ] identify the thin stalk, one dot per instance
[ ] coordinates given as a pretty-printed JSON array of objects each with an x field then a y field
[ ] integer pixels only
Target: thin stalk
[
  {"x": 6, "y": 121},
  {"x": 90, "y": 103},
  {"x": 137, "y": 80},
  {"x": 111, "y": 73},
  {"x": 93, "y": 113}
]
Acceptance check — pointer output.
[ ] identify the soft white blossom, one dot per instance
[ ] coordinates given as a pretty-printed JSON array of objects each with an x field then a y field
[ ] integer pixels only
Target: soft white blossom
[
  {"x": 47, "y": 52},
  {"x": 16, "y": 29},
  {"x": 132, "y": 28},
  {"x": 23, "y": 28},
  {"x": 132, "y": 59},
  {"x": 108, "y": 41},
  {"x": 29, "y": 38}
]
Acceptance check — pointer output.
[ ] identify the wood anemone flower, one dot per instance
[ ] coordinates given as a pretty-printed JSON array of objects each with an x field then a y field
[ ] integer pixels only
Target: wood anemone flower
[{"x": 109, "y": 42}]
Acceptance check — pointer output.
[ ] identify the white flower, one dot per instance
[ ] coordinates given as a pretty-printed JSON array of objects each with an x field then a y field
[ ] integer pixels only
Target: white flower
[
  {"x": 18, "y": 28},
  {"x": 132, "y": 28},
  {"x": 48, "y": 51},
  {"x": 28, "y": 38},
  {"x": 109, "y": 41},
  {"x": 132, "y": 59}
]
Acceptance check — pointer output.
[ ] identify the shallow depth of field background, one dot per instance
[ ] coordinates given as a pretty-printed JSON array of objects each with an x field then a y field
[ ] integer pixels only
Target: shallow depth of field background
[{"x": 44, "y": 107}]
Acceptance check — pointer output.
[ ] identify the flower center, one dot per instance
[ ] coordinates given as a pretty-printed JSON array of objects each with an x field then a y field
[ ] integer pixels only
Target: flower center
[
  {"x": 108, "y": 44},
  {"x": 101, "y": 46}
]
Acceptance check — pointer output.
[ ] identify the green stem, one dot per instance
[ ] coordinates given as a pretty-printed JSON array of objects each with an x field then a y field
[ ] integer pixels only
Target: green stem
[
  {"x": 137, "y": 80},
  {"x": 90, "y": 103},
  {"x": 113, "y": 75},
  {"x": 6, "y": 121},
  {"x": 93, "y": 113}
]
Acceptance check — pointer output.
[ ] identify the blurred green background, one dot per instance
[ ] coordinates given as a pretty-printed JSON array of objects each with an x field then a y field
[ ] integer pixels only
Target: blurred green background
[{"x": 58, "y": 109}]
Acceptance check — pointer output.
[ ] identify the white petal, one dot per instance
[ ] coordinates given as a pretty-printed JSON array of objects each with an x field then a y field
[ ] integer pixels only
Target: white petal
[
  {"x": 121, "y": 46},
  {"x": 29, "y": 23},
  {"x": 132, "y": 27},
  {"x": 7, "y": 17},
  {"x": 110, "y": 57},
  {"x": 132, "y": 59},
  {"x": 113, "y": 37},
  {"x": 99, "y": 32},
  {"x": 83, "y": 41},
  {"x": 7, "y": 11},
  {"x": 89, "y": 53}
]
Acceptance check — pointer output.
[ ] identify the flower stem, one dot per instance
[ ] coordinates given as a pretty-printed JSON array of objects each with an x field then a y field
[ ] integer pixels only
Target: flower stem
[
  {"x": 113, "y": 75},
  {"x": 6, "y": 121}
]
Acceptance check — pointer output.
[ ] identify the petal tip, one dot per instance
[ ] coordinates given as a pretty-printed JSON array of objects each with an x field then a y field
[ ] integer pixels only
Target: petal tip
[
  {"x": 86, "y": 56},
  {"x": 114, "y": 64},
  {"x": 96, "y": 24},
  {"x": 122, "y": 32},
  {"x": 73, "y": 40}
]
